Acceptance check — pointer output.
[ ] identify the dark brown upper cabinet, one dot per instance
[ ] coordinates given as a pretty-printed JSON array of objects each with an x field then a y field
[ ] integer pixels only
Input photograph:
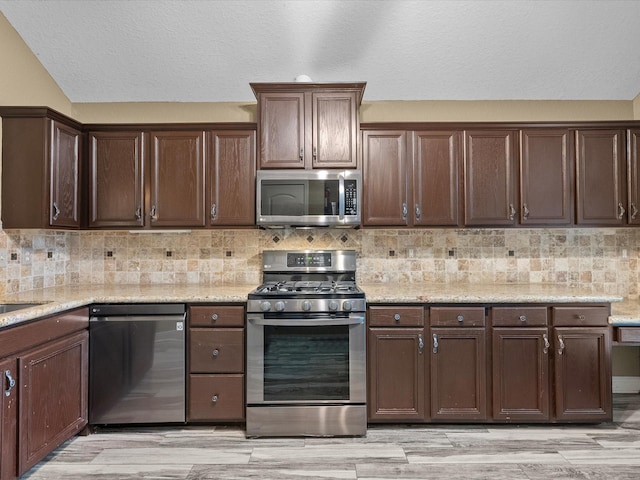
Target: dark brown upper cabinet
[
  {"x": 546, "y": 166},
  {"x": 116, "y": 186},
  {"x": 308, "y": 125},
  {"x": 601, "y": 177},
  {"x": 231, "y": 163},
  {"x": 41, "y": 169},
  {"x": 490, "y": 177},
  {"x": 176, "y": 179},
  {"x": 633, "y": 147}
]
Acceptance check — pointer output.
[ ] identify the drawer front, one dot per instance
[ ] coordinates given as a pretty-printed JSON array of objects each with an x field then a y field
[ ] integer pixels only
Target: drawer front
[
  {"x": 219, "y": 350},
  {"x": 216, "y": 316},
  {"x": 580, "y": 316},
  {"x": 216, "y": 398},
  {"x": 519, "y": 316},
  {"x": 457, "y": 316},
  {"x": 628, "y": 334},
  {"x": 404, "y": 316}
]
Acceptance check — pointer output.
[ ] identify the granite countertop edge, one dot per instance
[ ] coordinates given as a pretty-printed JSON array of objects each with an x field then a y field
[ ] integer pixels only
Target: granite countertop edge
[{"x": 53, "y": 300}]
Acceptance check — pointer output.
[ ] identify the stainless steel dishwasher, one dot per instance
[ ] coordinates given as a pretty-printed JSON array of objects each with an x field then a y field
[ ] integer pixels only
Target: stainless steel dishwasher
[{"x": 136, "y": 363}]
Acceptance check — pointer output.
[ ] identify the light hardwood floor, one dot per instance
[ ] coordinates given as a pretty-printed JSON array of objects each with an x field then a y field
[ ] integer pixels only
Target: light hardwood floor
[{"x": 605, "y": 451}]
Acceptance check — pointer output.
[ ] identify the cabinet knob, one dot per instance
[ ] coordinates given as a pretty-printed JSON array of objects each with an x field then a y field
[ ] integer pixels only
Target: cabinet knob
[
  {"x": 214, "y": 317},
  {"x": 460, "y": 318},
  {"x": 214, "y": 399},
  {"x": 396, "y": 317},
  {"x": 216, "y": 352},
  {"x": 580, "y": 317},
  {"x": 523, "y": 318}
]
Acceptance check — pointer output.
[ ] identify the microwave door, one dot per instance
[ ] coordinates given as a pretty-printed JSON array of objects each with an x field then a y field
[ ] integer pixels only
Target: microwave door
[{"x": 284, "y": 199}]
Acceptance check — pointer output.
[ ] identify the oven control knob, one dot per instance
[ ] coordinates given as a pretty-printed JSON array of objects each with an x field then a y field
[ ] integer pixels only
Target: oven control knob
[
  {"x": 279, "y": 306},
  {"x": 306, "y": 305},
  {"x": 347, "y": 306},
  {"x": 333, "y": 305},
  {"x": 265, "y": 306}
]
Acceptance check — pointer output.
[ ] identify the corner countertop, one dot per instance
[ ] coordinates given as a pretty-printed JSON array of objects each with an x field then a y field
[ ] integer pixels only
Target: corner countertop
[
  {"x": 626, "y": 313},
  {"x": 58, "y": 299}
]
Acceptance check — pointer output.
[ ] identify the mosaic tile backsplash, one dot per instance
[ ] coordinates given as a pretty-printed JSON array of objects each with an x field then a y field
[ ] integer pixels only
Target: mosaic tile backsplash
[{"x": 606, "y": 259}]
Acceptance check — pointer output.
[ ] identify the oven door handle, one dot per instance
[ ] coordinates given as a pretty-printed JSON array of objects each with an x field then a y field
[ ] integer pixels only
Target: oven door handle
[{"x": 316, "y": 322}]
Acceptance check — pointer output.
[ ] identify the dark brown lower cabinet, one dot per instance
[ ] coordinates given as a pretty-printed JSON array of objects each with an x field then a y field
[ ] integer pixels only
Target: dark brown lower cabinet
[
  {"x": 521, "y": 374},
  {"x": 582, "y": 357},
  {"x": 396, "y": 374},
  {"x": 9, "y": 418},
  {"x": 219, "y": 397},
  {"x": 53, "y": 396},
  {"x": 458, "y": 374}
]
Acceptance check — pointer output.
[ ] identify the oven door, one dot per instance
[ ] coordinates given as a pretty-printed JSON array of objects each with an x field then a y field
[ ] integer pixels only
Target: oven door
[{"x": 306, "y": 359}]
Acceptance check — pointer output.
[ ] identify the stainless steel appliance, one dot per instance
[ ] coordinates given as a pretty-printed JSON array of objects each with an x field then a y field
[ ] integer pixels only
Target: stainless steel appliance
[
  {"x": 308, "y": 198},
  {"x": 136, "y": 363},
  {"x": 306, "y": 341}
]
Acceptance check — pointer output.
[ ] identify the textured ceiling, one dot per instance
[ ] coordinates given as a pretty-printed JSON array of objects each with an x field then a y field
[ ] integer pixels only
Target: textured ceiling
[{"x": 209, "y": 51}]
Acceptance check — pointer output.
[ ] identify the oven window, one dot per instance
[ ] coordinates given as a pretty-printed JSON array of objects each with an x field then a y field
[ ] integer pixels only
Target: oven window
[{"x": 306, "y": 363}]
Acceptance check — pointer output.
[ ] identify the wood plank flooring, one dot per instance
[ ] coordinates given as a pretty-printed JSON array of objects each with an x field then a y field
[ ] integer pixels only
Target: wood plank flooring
[{"x": 605, "y": 451}]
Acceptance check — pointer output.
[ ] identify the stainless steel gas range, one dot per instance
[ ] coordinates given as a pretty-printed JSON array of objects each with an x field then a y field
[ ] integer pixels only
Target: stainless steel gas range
[{"x": 306, "y": 341}]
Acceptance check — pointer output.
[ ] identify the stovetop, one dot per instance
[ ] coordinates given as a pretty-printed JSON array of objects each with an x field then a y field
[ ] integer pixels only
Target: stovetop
[{"x": 308, "y": 288}]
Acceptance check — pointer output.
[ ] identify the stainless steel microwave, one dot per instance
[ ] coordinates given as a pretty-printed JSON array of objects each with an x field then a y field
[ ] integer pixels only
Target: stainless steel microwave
[{"x": 309, "y": 198}]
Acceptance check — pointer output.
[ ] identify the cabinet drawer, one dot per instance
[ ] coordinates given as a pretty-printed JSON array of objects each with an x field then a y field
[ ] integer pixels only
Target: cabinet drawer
[
  {"x": 216, "y": 397},
  {"x": 579, "y": 316},
  {"x": 519, "y": 316},
  {"x": 219, "y": 350},
  {"x": 216, "y": 316},
  {"x": 396, "y": 316},
  {"x": 457, "y": 316},
  {"x": 628, "y": 334}
]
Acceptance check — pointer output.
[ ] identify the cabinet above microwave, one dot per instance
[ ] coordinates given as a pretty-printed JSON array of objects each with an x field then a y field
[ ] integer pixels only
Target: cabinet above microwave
[{"x": 313, "y": 198}]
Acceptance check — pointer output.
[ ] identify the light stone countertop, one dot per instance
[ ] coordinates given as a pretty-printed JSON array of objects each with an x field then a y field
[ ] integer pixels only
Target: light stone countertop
[
  {"x": 58, "y": 299},
  {"x": 626, "y": 313}
]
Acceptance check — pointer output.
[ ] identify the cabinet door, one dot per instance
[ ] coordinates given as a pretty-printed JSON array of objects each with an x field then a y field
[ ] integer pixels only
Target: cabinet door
[
  {"x": 601, "y": 180},
  {"x": 521, "y": 374},
  {"x": 396, "y": 374},
  {"x": 282, "y": 130},
  {"x": 115, "y": 175},
  {"x": 384, "y": 178},
  {"x": 335, "y": 130},
  {"x": 490, "y": 185},
  {"x": 177, "y": 179},
  {"x": 53, "y": 397},
  {"x": 216, "y": 350},
  {"x": 8, "y": 418},
  {"x": 231, "y": 178},
  {"x": 545, "y": 177},
  {"x": 458, "y": 374},
  {"x": 582, "y": 374},
  {"x": 633, "y": 137},
  {"x": 64, "y": 208},
  {"x": 216, "y": 398},
  {"x": 436, "y": 172}
]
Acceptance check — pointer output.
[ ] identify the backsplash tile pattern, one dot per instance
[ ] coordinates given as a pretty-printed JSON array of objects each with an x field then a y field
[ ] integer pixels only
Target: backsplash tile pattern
[{"x": 606, "y": 259}]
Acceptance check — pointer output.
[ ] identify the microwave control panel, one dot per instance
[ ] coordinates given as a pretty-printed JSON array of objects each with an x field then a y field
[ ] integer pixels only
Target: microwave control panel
[{"x": 350, "y": 197}]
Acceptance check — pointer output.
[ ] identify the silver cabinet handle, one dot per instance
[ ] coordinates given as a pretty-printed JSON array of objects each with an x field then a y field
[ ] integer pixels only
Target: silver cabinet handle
[
  {"x": 153, "y": 214},
  {"x": 420, "y": 344},
  {"x": 216, "y": 352},
  {"x": 405, "y": 211},
  {"x": 315, "y": 153},
  {"x": 214, "y": 317},
  {"x": 301, "y": 154},
  {"x": 621, "y": 211},
  {"x": 561, "y": 341},
  {"x": 214, "y": 399},
  {"x": 545, "y": 350},
  {"x": 634, "y": 211},
  {"x": 138, "y": 213},
  {"x": 525, "y": 211},
  {"x": 512, "y": 212},
  {"x": 56, "y": 211},
  {"x": 11, "y": 382},
  {"x": 214, "y": 211},
  {"x": 523, "y": 318},
  {"x": 396, "y": 317},
  {"x": 418, "y": 212},
  {"x": 460, "y": 319},
  {"x": 435, "y": 343}
]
